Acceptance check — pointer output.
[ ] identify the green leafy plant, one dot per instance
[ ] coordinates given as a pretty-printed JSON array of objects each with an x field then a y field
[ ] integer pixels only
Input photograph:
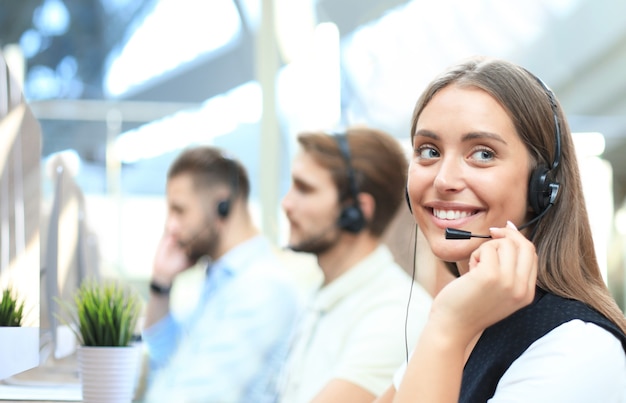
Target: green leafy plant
[
  {"x": 11, "y": 310},
  {"x": 103, "y": 314}
]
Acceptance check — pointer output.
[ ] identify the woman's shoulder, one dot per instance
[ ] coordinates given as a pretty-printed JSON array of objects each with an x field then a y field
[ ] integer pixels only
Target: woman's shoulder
[
  {"x": 550, "y": 326},
  {"x": 561, "y": 310},
  {"x": 577, "y": 358},
  {"x": 578, "y": 338}
]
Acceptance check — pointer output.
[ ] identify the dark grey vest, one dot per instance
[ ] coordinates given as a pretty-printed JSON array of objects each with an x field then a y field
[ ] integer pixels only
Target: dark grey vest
[{"x": 504, "y": 342}]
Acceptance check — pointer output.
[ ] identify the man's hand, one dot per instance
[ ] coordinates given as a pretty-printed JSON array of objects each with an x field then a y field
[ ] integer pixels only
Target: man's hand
[{"x": 170, "y": 259}]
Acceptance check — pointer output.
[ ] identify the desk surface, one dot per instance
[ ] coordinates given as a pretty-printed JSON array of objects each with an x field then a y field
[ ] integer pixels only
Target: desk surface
[
  {"x": 57, "y": 381},
  {"x": 56, "y": 393}
]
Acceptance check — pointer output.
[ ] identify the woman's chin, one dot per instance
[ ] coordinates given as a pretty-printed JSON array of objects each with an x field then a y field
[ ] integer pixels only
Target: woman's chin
[{"x": 453, "y": 250}]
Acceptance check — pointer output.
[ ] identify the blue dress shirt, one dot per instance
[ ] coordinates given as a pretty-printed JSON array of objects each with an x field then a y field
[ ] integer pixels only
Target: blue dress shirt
[{"x": 231, "y": 347}]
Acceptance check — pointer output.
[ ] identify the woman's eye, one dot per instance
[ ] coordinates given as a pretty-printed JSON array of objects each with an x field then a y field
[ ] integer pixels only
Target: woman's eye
[
  {"x": 426, "y": 152},
  {"x": 483, "y": 155}
]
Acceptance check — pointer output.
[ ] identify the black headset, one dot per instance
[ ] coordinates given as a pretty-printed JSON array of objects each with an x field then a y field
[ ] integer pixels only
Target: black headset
[
  {"x": 351, "y": 218},
  {"x": 223, "y": 207},
  {"x": 543, "y": 187}
]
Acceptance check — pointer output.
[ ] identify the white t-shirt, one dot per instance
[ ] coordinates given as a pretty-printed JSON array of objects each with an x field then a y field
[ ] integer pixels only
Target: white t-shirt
[
  {"x": 575, "y": 362},
  {"x": 355, "y": 330}
]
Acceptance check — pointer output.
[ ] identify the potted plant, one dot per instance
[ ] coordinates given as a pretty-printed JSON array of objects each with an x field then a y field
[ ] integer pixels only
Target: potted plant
[
  {"x": 11, "y": 310},
  {"x": 104, "y": 316}
]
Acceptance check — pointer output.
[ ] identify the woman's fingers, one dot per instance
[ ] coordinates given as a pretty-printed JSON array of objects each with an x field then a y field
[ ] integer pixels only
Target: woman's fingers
[
  {"x": 518, "y": 255},
  {"x": 506, "y": 268}
]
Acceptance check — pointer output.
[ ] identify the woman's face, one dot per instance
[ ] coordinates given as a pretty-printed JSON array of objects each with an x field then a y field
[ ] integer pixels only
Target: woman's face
[{"x": 469, "y": 170}]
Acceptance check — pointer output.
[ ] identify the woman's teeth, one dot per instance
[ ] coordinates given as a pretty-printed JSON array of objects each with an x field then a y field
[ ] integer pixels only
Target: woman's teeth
[{"x": 450, "y": 214}]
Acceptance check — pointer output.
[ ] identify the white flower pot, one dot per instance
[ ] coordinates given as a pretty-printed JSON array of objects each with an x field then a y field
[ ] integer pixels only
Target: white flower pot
[{"x": 108, "y": 374}]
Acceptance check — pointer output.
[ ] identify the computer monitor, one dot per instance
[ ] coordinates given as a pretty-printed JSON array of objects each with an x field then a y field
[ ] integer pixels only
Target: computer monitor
[
  {"x": 68, "y": 256},
  {"x": 66, "y": 247},
  {"x": 20, "y": 182}
]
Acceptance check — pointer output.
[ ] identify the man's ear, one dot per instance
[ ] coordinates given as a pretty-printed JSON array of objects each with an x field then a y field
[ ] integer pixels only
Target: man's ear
[{"x": 367, "y": 205}]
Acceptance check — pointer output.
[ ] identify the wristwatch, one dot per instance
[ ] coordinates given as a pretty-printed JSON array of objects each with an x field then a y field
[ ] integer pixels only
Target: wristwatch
[{"x": 159, "y": 289}]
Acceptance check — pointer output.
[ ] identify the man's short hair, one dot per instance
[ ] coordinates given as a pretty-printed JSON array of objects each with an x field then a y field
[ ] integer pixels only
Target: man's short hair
[{"x": 210, "y": 166}]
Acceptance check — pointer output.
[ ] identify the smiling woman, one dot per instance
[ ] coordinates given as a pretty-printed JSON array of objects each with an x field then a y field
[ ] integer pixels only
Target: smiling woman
[{"x": 493, "y": 152}]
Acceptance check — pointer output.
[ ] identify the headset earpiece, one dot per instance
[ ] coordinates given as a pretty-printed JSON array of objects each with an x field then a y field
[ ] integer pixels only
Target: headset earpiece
[
  {"x": 351, "y": 218},
  {"x": 542, "y": 189},
  {"x": 223, "y": 207}
]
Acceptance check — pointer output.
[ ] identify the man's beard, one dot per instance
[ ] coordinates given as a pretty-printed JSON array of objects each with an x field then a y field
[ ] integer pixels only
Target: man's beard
[
  {"x": 200, "y": 246},
  {"x": 318, "y": 244}
]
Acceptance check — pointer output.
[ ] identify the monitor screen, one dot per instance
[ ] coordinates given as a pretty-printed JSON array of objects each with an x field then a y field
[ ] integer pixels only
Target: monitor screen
[{"x": 64, "y": 251}]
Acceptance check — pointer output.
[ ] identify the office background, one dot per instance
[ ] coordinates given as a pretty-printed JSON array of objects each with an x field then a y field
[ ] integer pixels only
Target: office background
[{"x": 121, "y": 86}]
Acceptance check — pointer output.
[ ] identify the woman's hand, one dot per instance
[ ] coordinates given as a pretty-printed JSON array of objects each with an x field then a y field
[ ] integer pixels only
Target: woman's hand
[{"x": 501, "y": 280}]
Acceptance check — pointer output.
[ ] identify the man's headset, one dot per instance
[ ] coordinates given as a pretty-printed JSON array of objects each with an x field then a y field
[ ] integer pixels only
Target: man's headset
[
  {"x": 351, "y": 218},
  {"x": 224, "y": 206},
  {"x": 543, "y": 187}
]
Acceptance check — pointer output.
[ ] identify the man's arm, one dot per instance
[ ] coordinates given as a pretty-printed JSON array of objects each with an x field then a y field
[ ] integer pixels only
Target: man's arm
[
  {"x": 160, "y": 332},
  {"x": 340, "y": 391},
  {"x": 170, "y": 259},
  {"x": 158, "y": 308},
  {"x": 388, "y": 396}
]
